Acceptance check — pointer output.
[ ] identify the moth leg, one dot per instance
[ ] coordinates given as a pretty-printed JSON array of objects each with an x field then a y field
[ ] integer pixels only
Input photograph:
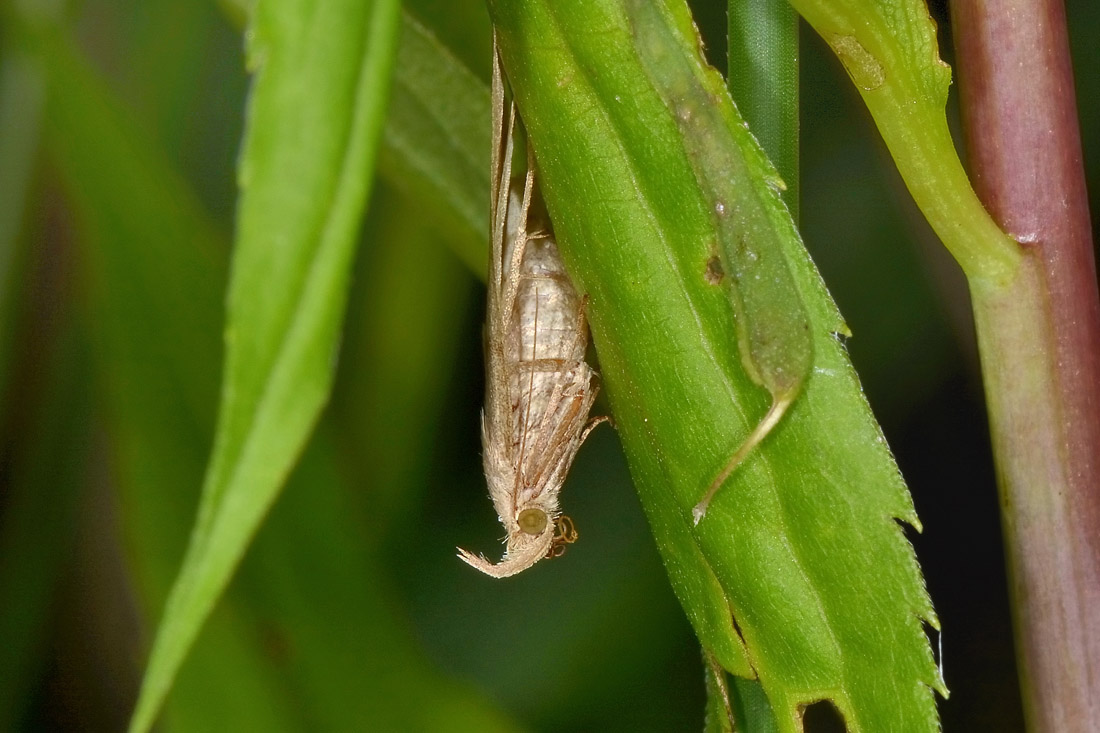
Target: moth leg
[
  {"x": 771, "y": 419},
  {"x": 567, "y": 456},
  {"x": 592, "y": 426},
  {"x": 565, "y": 530}
]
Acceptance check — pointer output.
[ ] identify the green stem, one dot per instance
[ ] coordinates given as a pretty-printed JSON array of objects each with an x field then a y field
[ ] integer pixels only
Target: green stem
[
  {"x": 1049, "y": 526},
  {"x": 889, "y": 51},
  {"x": 763, "y": 79},
  {"x": 1040, "y": 347}
]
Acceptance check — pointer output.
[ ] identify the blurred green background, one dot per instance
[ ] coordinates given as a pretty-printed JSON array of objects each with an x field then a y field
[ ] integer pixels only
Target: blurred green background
[{"x": 119, "y": 127}]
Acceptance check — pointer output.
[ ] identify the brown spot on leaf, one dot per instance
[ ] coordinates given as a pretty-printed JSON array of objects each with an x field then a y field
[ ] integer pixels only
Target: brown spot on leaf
[{"x": 714, "y": 273}]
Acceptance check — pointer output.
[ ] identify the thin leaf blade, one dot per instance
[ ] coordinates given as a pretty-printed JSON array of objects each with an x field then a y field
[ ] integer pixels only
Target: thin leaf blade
[
  {"x": 236, "y": 678},
  {"x": 436, "y": 142},
  {"x": 153, "y": 268},
  {"x": 316, "y": 115}
]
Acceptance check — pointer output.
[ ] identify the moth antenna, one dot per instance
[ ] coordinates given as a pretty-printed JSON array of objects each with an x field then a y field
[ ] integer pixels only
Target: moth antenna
[{"x": 592, "y": 424}]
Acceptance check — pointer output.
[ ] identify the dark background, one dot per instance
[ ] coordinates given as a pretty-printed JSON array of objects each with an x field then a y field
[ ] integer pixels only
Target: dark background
[{"x": 593, "y": 642}]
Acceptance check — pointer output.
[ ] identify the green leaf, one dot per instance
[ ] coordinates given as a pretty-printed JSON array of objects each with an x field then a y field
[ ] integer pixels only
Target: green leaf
[
  {"x": 436, "y": 143},
  {"x": 153, "y": 272},
  {"x": 763, "y": 79},
  {"x": 147, "y": 243},
  {"x": 735, "y": 704},
  {"x": 753, "y": 712},
  {"x": 889, "y": 50},
  {"x": 801, "y": 547},
  {"x": 315, "y": 120}
]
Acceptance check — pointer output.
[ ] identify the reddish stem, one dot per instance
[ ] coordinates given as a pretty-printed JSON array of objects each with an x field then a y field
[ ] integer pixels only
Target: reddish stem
[{"x": 1020, "y": 116}]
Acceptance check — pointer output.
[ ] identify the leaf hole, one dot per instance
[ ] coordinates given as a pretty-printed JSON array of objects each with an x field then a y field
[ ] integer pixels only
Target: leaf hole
[{"x": 822, "y": 717}]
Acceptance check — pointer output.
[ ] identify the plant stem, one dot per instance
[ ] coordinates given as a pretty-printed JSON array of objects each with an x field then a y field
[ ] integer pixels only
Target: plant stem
[
  {"x": 1040, "y": 343},
  {"x": 763, "y": 80},
  {"x": 762, "y": 38}
]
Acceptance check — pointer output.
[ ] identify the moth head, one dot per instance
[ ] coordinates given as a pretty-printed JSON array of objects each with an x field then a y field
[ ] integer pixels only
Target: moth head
[{"x": 532, "y": 521}]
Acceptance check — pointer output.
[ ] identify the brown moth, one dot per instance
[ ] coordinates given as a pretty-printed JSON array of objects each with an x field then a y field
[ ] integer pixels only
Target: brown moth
[{"x": 539, "y": 389}]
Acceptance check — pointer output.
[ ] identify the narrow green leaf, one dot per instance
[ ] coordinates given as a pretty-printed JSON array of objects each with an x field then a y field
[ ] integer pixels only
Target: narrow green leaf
[
  {"x": 801, "y": 546},
  {"x": 153, "y": 267},
  {"x": 889, "y": 50},
  {"x": 436, "y": 142},
  {"x": 751, "y": 707},
  {"x": 174, "y": 42},
  {"x": 773, "y": 330},
  {"x": 315, "y": 120},
  {"x": 153, "y": 274},
  {"x": 147, "y": 243},
  {"x": 165, "y": 257}
]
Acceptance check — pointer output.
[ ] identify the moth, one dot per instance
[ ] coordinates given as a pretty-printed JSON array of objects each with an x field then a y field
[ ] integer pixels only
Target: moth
[{"x": 539, "y": 389}]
